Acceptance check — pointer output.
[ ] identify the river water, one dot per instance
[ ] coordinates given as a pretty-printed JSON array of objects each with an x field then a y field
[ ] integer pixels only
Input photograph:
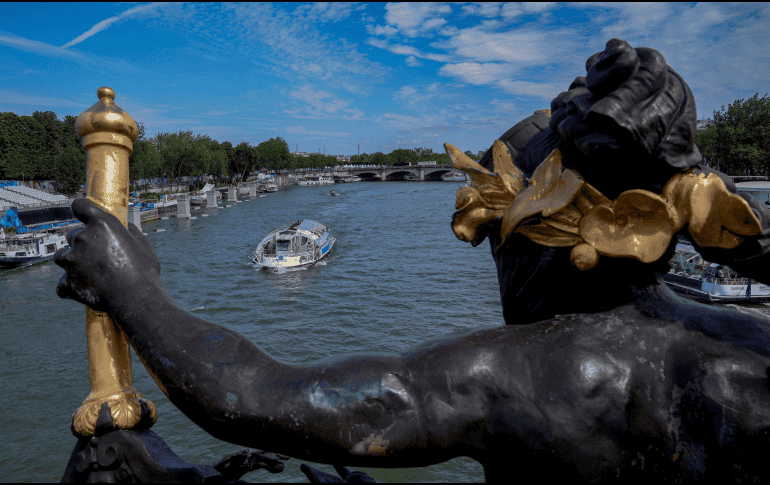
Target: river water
[{"x": 396, "y": 277}]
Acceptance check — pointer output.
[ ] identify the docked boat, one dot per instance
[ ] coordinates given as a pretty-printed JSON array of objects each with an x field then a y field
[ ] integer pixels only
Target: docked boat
[
  {"x": 316, "y": 180},
  {"x": 297, "y": 244},
  {"x": 201, "y": 197},
  {"x": 701, "y": 280},
  {"x": 29, "y": 249},
  {"x": 271, "y": 187},
  {"x": 349, "y": 179}
]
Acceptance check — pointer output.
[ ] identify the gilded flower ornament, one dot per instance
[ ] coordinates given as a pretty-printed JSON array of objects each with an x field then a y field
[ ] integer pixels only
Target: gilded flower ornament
[{"x": 558, "y": 208}]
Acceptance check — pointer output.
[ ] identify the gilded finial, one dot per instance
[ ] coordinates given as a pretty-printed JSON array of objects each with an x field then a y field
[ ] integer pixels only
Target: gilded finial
[
  {"x": 106, "y": 92},
  {"x": 107, "y": 117}
]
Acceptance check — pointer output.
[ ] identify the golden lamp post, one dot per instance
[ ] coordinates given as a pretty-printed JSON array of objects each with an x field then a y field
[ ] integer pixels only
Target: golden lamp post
[{"x": 108, "y": 134}]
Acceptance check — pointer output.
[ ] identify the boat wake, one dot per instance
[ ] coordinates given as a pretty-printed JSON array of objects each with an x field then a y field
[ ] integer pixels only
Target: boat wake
[
  {"x": 749, "y": 311},
  {"x": 218, "y": 309}
]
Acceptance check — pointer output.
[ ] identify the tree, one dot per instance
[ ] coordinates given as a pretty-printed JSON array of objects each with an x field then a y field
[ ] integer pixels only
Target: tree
[
  {"x": 50, "y": 144},
  {"x": 12, "y": 154},
  {"x": 177, "y": 153},
  {"x": 144, "y": 161},
  {"x": 403, "y": 155},
  {"x": 706, "y": 141},
  {"x": 274, "y": 154},
  {"x": 379, "y": 158},
  {"x": 243, "y": 160},
  {"x": 70, "y": 170},
  {"x": 742, "y": 136}
]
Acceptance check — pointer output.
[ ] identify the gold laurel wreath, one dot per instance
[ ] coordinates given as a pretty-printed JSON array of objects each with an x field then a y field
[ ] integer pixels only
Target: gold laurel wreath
[{"x": 558, "y": 208}]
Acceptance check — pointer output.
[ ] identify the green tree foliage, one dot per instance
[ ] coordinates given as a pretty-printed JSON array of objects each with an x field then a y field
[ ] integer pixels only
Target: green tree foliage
[
  {"x": 243, "y": 161},
  {"x": 41, "y": 146},
  {"x": 13, "y": 159},
  {"x": 274, "y": 154},
  {"x": 738, "y": 139},
  {"x": 70, "y": 170},
  {"x": 403, "y": 155}
]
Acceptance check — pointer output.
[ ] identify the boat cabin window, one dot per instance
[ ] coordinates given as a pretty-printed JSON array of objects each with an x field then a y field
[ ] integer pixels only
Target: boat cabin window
[
  {"x": 283, "y": 245},
  {"x": 303, "y": 241}
]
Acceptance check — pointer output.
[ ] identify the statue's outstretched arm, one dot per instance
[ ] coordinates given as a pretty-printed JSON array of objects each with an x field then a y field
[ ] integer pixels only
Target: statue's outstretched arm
[{"x": 374, "y": 410}]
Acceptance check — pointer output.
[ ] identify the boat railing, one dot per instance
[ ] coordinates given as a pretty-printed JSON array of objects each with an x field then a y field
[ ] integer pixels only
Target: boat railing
[
  {"x": 273, "y": 253},
  {"x": 731, "y": 281}
]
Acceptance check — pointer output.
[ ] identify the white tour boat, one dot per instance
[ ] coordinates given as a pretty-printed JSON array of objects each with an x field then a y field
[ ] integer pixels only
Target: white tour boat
[
  {"x": 27, "y": 249},
  {"x": 701, "y": 280},
  {"x": 297, "y": 244},
  {"x": 316, "y": 180}
]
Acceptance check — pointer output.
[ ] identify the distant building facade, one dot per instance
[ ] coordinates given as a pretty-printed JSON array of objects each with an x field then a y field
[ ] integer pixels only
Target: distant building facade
[{"x": 422, "y": 151}]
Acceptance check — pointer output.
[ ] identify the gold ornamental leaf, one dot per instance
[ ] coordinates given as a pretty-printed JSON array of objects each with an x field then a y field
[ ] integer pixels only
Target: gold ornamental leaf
[
  {"x": 550, "y": 191},
  {"x": 479, "y": 175},
  {"x": 637, "y": 225},
  {"x": 472, "y": 214},
  {"x": 544, "y": 234},
  {"x": 504, "y": 165},
  {"x": 496, "y": 195},
  {"x": 718, "y": 217},
  {"x": 677, "y": 193}
]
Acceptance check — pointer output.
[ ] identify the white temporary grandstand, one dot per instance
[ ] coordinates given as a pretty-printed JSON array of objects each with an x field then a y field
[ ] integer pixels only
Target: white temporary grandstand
[{"x": 23, "y": 196}]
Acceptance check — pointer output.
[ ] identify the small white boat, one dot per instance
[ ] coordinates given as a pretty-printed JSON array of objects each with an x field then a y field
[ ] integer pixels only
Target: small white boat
[
  {"x": 297, "y": 244},
  {"x": 29, "y": 248},
  {"x": 316, "y": 180},
  {"x": 334, "y": 193},
  {"x": 701, "y": 280}
]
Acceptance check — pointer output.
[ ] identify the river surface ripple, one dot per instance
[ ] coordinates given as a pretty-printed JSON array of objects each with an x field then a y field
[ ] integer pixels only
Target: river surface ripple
[{"x": 396, "y": 277}]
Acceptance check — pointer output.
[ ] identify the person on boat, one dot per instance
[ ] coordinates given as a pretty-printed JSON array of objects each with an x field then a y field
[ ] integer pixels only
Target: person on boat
[{"x": 601, "y": 373}]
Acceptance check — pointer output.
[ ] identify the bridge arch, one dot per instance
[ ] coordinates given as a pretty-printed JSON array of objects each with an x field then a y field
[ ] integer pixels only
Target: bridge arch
[
  {"x": 402, "y": 175},
  {"x": 437, "y": 174}
]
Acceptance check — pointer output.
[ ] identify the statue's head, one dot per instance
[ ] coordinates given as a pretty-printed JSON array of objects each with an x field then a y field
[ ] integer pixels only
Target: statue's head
[{"x": 585, "y": 200}]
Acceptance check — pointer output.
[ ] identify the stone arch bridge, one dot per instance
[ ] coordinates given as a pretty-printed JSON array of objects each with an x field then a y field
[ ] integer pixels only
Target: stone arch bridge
[{"x": 410, "y": 172}]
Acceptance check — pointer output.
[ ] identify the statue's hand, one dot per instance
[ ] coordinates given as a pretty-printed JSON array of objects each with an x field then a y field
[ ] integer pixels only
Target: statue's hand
[{"x": 105, "y": 260}]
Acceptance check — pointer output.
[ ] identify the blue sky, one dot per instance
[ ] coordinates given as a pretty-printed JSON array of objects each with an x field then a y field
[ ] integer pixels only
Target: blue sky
[{"x": 384, "y": 76}]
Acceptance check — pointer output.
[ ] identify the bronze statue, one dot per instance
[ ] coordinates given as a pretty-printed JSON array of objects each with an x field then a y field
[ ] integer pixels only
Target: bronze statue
[{"x": 619, "y": 379}]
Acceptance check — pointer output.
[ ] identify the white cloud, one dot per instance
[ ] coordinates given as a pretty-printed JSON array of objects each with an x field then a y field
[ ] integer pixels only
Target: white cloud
[
  {"x": 37, "y": 47},
  {"x": 476, "y": 73},
  {"x": 325, "y": 11},
  {"x": 526, "y": 88},
  {"x": 104, "y": 24},
  {"x": 503, "y": 105},
  {"x": 295, "y": 41},
  {"x": 12, "y": 98},
  {"x": 412, "y": 61},
  {"x": 321, "y": 104},
  {"x": 518, "y": 45},
  {"x": 408, "y": 50},
  {"x": 405, "y": 92},
  {"x": 386, "y": 30},
  {"x": 483, "y": 9},
  {"x": 301, "y": 130},
  {"x": 218, "y": 113},
  {"x": 512, "y": 10},
  {"x": 414, "y": 19}
]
